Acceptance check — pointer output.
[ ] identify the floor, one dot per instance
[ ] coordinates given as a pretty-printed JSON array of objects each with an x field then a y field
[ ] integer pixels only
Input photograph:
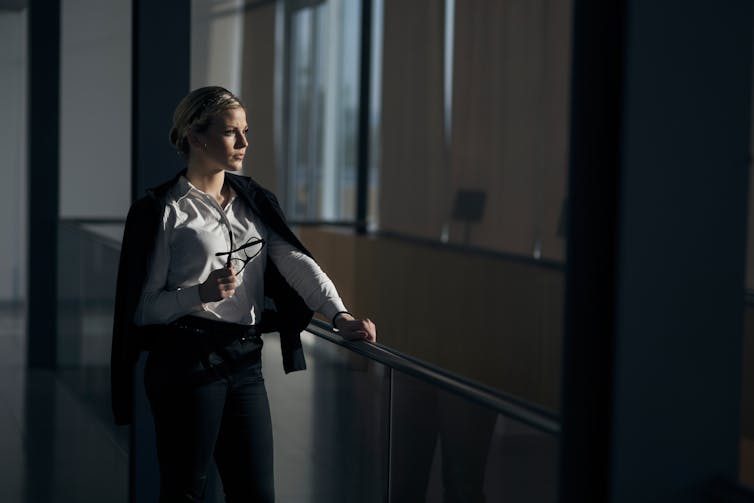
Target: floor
[{"x": 54, "y": 445}]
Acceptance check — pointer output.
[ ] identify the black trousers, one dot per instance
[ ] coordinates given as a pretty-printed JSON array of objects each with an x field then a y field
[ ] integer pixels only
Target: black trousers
[{"x": 208, "y": 398}]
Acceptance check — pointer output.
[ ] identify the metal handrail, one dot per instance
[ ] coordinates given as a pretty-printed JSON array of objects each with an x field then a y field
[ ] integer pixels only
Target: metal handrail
[
  {"x": 79, "y": 224},
  {"x": 507, "y": 405}
]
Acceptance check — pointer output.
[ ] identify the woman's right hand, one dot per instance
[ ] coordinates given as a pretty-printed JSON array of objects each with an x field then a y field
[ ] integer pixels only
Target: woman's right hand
[{"x": 220, "y": 285}]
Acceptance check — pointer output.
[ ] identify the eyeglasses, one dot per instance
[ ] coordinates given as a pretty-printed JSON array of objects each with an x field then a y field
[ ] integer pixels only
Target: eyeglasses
[{"x": 245, "y": 251}]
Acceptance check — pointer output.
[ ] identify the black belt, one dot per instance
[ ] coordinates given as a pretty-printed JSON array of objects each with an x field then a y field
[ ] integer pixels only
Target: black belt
[
  {"x": 222, "y": 348},
  {"x": 205, "y": 327}
]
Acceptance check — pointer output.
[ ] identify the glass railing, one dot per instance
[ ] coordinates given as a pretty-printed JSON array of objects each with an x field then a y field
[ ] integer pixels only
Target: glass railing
[
  {"x": 87, "y": 267},
  {"x": 447, "y": 439},
  {"x": 363, "y": 423}
]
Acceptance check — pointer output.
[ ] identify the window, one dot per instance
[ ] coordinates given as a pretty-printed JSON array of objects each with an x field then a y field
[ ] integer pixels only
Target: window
[{"x": 320, "y": 123}]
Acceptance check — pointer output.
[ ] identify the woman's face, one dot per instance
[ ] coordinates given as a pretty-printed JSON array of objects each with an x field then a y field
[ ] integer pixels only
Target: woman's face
[{"x": 223, "y": 144}]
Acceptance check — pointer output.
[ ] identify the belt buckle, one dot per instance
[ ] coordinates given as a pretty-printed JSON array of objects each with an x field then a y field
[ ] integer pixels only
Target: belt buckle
[
  {"x": 189, "y": 328},
  {"x": 248, "y": 334}
]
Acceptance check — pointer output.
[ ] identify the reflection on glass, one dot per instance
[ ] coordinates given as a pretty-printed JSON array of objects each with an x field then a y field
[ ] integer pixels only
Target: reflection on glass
[
  {"x": 331, "y": 424},
  {"x": 447, "y": 448}
]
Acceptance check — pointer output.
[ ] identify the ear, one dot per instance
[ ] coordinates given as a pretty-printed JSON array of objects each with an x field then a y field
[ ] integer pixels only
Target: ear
[{"x": 195, "y": 141}]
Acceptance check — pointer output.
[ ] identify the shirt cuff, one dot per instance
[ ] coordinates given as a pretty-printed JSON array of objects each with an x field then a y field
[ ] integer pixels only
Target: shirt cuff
[
  {"x": 331, "y": 308},
  {"x": 189, "y": 300}
]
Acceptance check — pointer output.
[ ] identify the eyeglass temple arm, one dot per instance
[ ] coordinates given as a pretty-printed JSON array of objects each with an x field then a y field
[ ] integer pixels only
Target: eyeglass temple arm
[
  {"x": 229, "y": 253},
  {"x": 253, "y": 242}
]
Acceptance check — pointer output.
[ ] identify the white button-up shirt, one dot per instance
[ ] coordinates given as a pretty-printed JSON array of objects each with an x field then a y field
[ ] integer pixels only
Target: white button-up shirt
[{"x": 194, "y": 228}]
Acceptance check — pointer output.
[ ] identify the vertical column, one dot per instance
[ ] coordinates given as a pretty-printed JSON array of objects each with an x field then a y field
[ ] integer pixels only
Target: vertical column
[
  {"x": 660, "y": 135},
  {"x": 685, "y": 144},
  {"x": 365, "y": 80},
  {"x": 161, "y": 77},
  {"x": 596, "y": 89},
  {"x": 43, "y": 181}
]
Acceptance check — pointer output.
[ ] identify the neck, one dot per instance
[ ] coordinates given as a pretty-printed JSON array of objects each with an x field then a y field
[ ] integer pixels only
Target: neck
[{"x": 210, "y": 182}]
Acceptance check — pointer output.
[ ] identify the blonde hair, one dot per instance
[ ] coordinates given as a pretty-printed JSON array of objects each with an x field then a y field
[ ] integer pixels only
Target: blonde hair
[{"x": 195, "y": 113}]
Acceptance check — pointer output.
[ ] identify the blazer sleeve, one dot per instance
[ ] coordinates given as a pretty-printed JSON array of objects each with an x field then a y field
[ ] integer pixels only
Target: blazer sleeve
[
  {"x": 138, "y": 241},
  {"x": 292, "y": 315}
]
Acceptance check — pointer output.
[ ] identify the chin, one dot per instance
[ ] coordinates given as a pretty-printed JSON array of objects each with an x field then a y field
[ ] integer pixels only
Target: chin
[{"x": 234, "y": 167}]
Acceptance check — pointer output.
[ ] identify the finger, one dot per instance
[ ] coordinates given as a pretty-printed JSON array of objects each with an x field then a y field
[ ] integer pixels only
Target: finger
[
  {"x": 367, "y": 335},
  {"x": 360, "y": 329},
  {"x": 227, "y": 286},
  {"x": 372, "y": 330},
  {"x": 353, "y": 335},
  {"x": 226, "y": 280},
  {"x": 356, "y": 324}
]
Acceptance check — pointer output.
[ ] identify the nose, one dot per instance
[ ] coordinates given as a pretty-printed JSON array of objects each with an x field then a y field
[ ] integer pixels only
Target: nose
[{"x": 241, "y": 141}]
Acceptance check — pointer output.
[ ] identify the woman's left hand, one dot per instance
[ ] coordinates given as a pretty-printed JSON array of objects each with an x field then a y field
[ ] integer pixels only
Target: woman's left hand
[{"x": 354, "y": 330}]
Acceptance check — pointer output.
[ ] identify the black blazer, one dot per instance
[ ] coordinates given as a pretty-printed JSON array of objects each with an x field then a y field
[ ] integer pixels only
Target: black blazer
[{"x": 289, "y": 316}]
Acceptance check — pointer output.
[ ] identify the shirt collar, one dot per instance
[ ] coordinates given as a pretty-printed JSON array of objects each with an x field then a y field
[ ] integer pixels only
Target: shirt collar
[{"x": 184, "y": 188}]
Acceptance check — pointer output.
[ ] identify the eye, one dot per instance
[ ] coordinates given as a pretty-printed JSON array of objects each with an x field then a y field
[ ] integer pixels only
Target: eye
[{"x": 229, "y": 132}]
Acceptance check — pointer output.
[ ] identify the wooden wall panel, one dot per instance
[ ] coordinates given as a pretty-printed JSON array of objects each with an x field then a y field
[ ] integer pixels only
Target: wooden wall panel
[
  {"x": 492, "y": 320},
  {"x": 510, "y": 119},
  {"x": 258, "y": 93},
  {"x": 413, "y": 173}
]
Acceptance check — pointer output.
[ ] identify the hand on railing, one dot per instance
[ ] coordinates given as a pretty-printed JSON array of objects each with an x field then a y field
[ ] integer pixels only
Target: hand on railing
[{"x": 354, "y": 330}]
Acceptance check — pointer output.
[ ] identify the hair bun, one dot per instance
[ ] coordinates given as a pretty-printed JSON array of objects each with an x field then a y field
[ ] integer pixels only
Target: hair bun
[
  {"x": 196, "y": 110},
  {"x": 174, "y": 137}
]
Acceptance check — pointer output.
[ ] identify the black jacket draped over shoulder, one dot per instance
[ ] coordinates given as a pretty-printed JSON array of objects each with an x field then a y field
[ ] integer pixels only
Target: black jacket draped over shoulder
[{"x": 289, "y": 316}]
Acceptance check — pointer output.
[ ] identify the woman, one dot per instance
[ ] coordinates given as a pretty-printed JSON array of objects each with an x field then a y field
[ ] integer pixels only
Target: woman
[{"x": 207, "y": 265}]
